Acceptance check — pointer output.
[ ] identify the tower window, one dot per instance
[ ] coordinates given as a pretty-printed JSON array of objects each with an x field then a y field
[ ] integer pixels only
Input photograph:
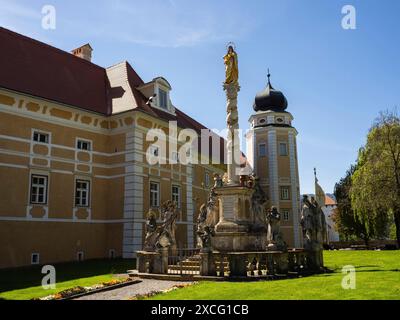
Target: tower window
[
  {"x": 262, "y": 150},
  {"x": 285, "y": 193},
  {"x": 163, "y": 98},
  {"x": 286, "y": 215},
  {"x": 176, "y": 195},
  {"x": 283, "y": 149},
  {"x": 154, "y": 194},
  {"x": 175, "y": 157},
  {"x": 154, "y": 151}
]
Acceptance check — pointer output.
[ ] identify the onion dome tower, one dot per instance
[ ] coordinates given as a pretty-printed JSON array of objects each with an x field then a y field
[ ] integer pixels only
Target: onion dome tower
[
  {"x": 272, "y": 153},
  {"x": 270, "y": 99}
]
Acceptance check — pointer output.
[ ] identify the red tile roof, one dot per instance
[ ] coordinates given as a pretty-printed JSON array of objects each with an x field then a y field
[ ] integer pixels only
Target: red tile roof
[
  {"x": 329, "y": 201},
  {"x": 32, "y": 67},
  {"x": 38, "y": 69}
]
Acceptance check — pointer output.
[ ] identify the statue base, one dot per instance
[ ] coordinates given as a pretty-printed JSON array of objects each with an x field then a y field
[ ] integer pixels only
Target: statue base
[
  {"x": 239, "y": 241},
  {"x": 237, "y": 229}
]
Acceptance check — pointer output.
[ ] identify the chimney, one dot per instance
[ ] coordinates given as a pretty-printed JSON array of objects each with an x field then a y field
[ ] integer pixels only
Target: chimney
[{"x": 84, "y": 52}]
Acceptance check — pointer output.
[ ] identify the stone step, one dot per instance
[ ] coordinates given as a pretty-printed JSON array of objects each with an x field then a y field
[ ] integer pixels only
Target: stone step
[
  {"x": 184, "y": 268},
  {"x": 191, "y": 268}
]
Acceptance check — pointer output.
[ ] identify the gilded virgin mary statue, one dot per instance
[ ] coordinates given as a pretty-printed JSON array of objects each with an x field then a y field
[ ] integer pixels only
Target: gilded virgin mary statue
[{"x": 231, "y": 66}]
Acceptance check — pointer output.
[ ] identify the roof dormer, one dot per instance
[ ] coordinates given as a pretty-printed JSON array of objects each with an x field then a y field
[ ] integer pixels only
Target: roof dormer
[{"x": 159, "y": 90}]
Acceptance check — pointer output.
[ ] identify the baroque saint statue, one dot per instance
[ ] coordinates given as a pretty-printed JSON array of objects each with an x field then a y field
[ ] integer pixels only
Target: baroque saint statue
[
  {"x": 231, "y": 66},
  {"x": 313, "y": 223}
]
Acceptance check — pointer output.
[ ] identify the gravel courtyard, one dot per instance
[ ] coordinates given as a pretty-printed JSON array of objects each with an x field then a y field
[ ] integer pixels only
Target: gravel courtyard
[{"x": 125, "y": 293}]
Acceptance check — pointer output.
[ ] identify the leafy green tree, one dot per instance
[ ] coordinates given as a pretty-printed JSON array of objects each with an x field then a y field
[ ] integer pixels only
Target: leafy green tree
[
  {"x": 375, "y": 190},
  {"x": 347, "y": 223}
]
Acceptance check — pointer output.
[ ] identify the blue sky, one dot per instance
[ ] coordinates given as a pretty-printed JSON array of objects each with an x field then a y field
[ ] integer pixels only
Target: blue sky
[{"x": 336, "y": 80}]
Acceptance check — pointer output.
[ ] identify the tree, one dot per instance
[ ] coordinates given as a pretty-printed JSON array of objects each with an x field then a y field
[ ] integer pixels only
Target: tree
[
  {"x": 375, "y": 190},
  {"x": 347, "y": 223}
]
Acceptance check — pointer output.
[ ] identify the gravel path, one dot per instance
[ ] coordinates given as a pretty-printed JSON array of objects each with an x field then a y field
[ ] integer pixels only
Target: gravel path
[{"x": 144, "y": 287}]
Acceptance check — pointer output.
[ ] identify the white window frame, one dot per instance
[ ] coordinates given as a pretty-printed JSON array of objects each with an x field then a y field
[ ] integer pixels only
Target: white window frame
[
  {"x": 35, "y": 185},
  {"x": 285, "y": 196},
  {"x": 160, "y": 100},
  {"x": 286, "y": 215},
  {"x": 177, "y": 196},
  {"x": 175, "y": 157},
  {"x": 88, "y": 193},
  {"x": 33, "y": 254},
  {"x": 283, "y": 154},
  {"x": 89, "y": 142},
  {"x": 154, "y": 151},
  {"x": 43, "y": 133},
  {"x": 157, "y": 194},
  {"x": 259, "y": 150}
]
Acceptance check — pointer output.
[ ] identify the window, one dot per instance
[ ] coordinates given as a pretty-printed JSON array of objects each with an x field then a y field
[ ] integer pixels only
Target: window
[
  {"x": 283, "y": 149},
  {"x": 80, "y": 256},
  {"x": 162, "y": 96},
  {"x": 40, "y": 137},
  {"x": 286, "y": 215},
  {"x": 154, "y": 194},
  {"x": 38, "y": 189},
  {"x": 207, "y": 180},
  {"x": 175, "y": 157},
  {"x": 82, "y": 189},
  {"x": 154, "y": 151},
  {"x": 35, "y": 258},
  {"x": 84, "y": 145},
  {"x": 285, "y": 193},
  {"x": 176, "y": 195},
  {"x": 262, "y": 150}
]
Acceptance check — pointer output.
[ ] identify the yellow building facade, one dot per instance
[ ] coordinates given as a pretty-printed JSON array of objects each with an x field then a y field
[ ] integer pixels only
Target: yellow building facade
[{"x": 76, "y": 183}]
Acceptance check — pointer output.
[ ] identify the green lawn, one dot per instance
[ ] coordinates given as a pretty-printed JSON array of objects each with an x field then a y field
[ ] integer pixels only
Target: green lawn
[
  {"x": 25, "y": 283},
  {"x": 377, "y": 277}
]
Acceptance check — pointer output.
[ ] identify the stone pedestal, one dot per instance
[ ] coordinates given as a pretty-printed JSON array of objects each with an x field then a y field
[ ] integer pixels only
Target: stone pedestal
[
  {"x": 314, "y": 255},
  {"x": 282, "y": 263},
  {"x": 234, "y": 230},
  {"x": 145, "y": 261},
  {"x": 237, "y": 264},
  {"x": 160, "y": 263},
  {"x": 207, "y": 264},
  {"x": 314, "y": 260}
]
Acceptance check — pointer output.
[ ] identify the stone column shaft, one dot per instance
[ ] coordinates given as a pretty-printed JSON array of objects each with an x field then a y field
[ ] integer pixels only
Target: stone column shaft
[{"x": 233, "y": 144}]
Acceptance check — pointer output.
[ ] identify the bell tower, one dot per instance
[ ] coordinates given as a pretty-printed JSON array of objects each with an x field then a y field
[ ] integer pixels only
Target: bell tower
[{"x": 272, "y": 153}]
